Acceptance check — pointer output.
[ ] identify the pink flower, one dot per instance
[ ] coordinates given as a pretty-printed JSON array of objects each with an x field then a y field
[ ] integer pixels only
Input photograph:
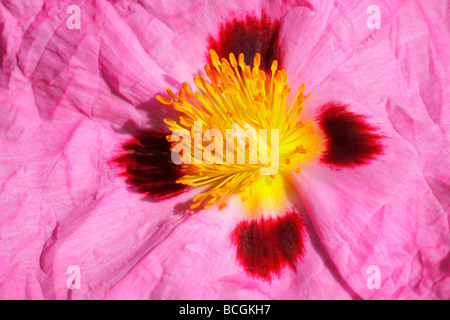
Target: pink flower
[{"x": 72, "y": 98}]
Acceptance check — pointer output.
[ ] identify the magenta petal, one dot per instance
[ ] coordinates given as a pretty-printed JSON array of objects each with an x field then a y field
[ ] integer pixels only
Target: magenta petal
[
  {"x": 394, "y": 211},
  {"x": 327, "y": 36},
  {"x": 173, "y": 268},
  {"x": 70, "y": 98},
  {"x": 176, "y": 36},
  {"x": 80, "y": 72}
]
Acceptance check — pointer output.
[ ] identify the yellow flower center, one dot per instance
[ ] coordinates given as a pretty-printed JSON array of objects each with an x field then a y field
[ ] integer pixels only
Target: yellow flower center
[{"x": 238, "y": 96}]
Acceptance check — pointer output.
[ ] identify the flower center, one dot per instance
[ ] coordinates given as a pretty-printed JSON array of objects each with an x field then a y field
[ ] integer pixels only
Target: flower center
[{"x": 242, "y": 130}]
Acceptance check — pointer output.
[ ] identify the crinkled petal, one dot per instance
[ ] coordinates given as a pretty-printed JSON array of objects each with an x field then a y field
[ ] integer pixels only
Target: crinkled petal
[
  {"x": 176, "y": 43},
  {"x": 70, "y": 99},
  {"x": 317, "y": 42},
  {"x": 174, "y": 268},
  {"x": 393, "y": 211}
]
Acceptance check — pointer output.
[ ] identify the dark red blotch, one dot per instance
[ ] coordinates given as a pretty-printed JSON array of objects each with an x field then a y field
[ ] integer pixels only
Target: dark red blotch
[
  {"x": 249, "y": 36},
  {"x": 351, "y": 141},
  {"x": 265, "y": 247},
  {"x": 148, "y": 167}
]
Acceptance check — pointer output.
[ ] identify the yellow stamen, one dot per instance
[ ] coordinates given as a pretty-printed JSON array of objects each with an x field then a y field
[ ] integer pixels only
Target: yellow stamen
[{"x": 250, "y": 98}]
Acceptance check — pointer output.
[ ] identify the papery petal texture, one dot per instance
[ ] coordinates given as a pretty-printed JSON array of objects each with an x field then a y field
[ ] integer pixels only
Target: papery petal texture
[{"x": 71, "y": 98}]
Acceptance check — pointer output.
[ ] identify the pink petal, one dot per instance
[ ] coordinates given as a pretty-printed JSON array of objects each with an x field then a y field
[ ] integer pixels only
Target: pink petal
[
  {"x": 174, "y": 268},
  {"x": 71, "y": 96},
  {"x": 393, "y": 212},
  {"x": 327, "y": 37},
  {"x": 102, "y": 75},
  {"x": 175, "y": 43}
]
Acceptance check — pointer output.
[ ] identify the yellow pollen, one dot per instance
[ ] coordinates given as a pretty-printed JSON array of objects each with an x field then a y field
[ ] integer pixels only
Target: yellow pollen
[{"x": 237, "y": 94}]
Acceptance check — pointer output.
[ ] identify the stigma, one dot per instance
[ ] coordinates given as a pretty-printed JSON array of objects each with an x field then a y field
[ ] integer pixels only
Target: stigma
[{"x": 241, "y": 133}]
